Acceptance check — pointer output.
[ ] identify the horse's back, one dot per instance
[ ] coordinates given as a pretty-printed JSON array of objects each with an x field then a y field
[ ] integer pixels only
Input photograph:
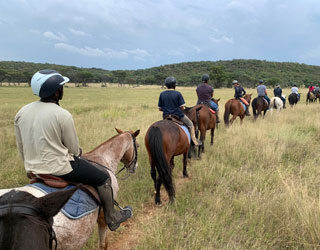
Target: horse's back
[{"x": 207, "y": 120}]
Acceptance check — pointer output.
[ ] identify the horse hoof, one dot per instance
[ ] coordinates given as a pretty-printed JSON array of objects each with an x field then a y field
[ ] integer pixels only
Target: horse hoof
[{"x": 185, "y": 175}]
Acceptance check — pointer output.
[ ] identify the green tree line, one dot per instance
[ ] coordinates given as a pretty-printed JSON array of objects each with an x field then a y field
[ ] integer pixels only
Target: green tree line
[{"x": 247, "y": 72}]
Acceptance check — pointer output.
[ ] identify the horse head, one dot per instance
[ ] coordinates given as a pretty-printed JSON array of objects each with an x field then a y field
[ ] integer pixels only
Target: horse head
[
  {"x": 26, "y": 221},
  {"x": 215, "y": 100},
  {"x": 247, "y": 97},
  {"x": 130, "y": 157}
]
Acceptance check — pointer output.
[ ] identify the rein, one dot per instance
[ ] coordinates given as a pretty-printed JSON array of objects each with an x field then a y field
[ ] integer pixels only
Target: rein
[{"x": 29, "y": 210}]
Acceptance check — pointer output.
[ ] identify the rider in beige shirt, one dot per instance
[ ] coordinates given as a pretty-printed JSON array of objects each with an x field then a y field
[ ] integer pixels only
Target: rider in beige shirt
[{"x": 48, "y": 144}]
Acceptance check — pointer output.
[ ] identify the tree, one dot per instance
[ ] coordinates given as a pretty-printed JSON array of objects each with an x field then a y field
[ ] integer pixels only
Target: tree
[
  {"x": 218, "y": 76},
  {"x": 85, "y": 77}
]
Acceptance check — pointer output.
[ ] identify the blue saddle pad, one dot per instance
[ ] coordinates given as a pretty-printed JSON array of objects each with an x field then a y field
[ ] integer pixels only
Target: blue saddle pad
[
  {"x": 79, "y": 205},
  {"x": 186, "y": 130},
  {"x": 243, "y": 105}
]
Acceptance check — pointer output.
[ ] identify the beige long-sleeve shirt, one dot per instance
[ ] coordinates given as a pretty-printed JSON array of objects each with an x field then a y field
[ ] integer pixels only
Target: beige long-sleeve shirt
[{"x": 46, "y": 138}]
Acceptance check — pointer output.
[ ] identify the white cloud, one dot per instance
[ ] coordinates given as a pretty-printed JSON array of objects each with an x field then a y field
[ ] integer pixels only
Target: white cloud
[
  {"x": 223, "y": 39},
  {"x": 138, "y": 54},
  {"x": 78, "y": 32},
  {"x": 59, "y": 36},
  {"x": 175, "y": 53}
]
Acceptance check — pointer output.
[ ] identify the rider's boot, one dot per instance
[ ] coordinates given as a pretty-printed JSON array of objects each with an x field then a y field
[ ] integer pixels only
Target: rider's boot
[
  {"x": 247, "y": 110},
  {"x": 112, "y": 217},
  {"x": 193, "y": 137},
  {"x": 217, "y": 115}
]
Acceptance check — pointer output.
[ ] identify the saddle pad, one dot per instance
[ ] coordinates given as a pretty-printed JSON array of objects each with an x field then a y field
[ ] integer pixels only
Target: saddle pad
[
  {"x": 212, "y": 111},
  {"x": 79, "y": 205},
  {"x": 244, "y": 106},
  {"x": 186, "y": 130}
]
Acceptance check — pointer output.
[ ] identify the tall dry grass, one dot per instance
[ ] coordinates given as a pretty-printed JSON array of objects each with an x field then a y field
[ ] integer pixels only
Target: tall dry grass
[{"x": 256, "y": 188}]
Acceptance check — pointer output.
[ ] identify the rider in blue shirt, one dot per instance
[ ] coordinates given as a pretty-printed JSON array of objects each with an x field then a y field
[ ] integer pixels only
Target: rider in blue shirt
[{"x": 171, "y": 102}]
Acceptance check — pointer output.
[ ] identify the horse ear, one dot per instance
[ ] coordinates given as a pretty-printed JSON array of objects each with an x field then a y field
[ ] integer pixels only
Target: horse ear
[
  {"x": 119, "y": 131},
  {"x": 218, "y": 100},
  {"x": 51, "y": 204},
  {"x": 136, "y": 133},
  {"x": 250, "y": 94}
]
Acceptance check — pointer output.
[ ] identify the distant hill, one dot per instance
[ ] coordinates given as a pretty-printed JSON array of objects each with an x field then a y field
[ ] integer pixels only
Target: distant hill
[{"x": 248, "y": 72}]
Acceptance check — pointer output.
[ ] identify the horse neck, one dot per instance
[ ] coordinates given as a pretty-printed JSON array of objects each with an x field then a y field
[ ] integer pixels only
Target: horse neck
[{"x": 111, "y": 152}]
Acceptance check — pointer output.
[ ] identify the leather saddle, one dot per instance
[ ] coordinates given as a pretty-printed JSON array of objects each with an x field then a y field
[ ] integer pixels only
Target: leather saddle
[
  {"x": 207, "y": 104},
  {"x": 173, "y": 118},
  {"x": 57, "y": 182}
]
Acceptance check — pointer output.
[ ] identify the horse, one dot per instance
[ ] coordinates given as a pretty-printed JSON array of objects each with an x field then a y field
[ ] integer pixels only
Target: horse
[
  {"x": 203, "y": 120},
  {"x": 235, "y": 108},
  {"x": 259, "y": 104},
  {"x": 26, "y": 221},
  {"x": 164, "y": 140},
  {"x": 293, "y": 99},
  {"x": 276, "y": 103},
  {"x": 311, "y": 97},
  {"x": 73, "y": 234}
]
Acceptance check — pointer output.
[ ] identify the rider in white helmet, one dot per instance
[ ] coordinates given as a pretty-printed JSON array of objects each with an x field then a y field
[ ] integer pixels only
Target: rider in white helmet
[{"x": 48, "y": 143}]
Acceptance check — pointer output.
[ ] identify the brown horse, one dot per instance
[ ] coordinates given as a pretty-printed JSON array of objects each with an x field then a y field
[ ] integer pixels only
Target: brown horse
[
  {"x": 311, "y": 97},
  {"x": 235, "y": 108},
  {"x": 73, "y": 234},
  {"x": 164, "y": 140},
  {"x": 203, "y": 120},
  {"x": 259, "y": 104}
]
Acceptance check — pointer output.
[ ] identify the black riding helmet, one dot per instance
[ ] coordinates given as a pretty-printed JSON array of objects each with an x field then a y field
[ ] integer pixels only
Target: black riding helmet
[
  {"x": 170, "y": 82},
  {"x": 205, "y": 78}
]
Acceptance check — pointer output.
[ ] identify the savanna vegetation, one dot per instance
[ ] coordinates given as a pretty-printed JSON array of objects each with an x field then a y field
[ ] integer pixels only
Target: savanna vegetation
[
  {"x": 256, "y": 188},
  {"x": 248, "y": 72}
]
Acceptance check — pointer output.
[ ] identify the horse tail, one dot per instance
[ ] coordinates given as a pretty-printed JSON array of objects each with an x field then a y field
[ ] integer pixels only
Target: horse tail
[
  {"x": 160, "y": 161},
  {"x": 253, "y": 105},
  {"x": 227, "y": 108},
  {"x": 196, "y": 125}
]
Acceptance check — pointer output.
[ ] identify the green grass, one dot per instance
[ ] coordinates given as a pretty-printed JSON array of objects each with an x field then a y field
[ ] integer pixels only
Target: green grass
[{"x": 256, "y": 188}]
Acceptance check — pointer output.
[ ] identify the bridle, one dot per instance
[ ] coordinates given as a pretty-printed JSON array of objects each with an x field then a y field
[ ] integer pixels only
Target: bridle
[
  {"x": 134, "y": 159},
  {"x": 28, "y": 210}
]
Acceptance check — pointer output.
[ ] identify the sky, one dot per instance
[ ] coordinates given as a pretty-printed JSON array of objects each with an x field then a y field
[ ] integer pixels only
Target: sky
[{"x": 139, "y": 34}]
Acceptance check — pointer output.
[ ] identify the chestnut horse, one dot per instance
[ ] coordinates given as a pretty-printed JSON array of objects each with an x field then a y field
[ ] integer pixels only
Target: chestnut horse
[
  {"x": 235, "y": 108},
  {"x": 203, "y": 120},
  {"x": 164, "y": 140},
  {"x": 73, "y": 234},
  {"x": 259, "y": 104}
]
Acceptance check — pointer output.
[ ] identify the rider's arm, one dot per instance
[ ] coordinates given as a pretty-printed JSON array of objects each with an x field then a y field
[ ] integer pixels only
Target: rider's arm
[
  {"x": 182, "y": 107},
  {"x": 69, "y": 136},
  {"x": 243, "y": 91},
  {"x": 18, "y": 139}
]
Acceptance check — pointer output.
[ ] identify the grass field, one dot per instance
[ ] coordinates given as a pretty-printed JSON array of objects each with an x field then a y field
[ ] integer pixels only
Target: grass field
[{"x": 256, "y": 188}]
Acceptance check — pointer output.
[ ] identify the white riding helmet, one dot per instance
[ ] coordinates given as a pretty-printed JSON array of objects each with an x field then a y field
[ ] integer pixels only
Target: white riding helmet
[{"x": 46, "y": 82}]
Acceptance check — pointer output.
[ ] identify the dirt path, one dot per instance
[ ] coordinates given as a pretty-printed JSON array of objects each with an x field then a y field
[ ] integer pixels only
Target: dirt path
[{"x": 130, "y": 237}]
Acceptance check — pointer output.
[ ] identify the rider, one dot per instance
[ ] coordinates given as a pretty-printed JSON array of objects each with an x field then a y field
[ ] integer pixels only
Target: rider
[
  {"x": 295, "y": 90},
  {"x": 48, "y": 144},
  {"x": 205, "y": 93},
  {"x": 278, "y": 93},
  {"x": 171, "y": 102},
  {"x": 239, "y": 92},
  {"x": 317, "y": 89},
  {"x": 262, "y": 91},
  {"x": 311, "y": 89}
]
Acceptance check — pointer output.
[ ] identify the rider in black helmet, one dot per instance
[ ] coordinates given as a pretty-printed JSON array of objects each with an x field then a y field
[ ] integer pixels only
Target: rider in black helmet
[
  {"x": 171, "y": 102},
  {"x": 48, "y": 144},
  {"x": 205, "y": 94}
]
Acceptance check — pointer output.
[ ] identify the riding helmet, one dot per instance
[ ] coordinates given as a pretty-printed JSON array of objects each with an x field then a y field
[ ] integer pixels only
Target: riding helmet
[
  {"x": 261, "y": 81},
  {"x": 170, "y": 82},
  {"x": 46, "y": 82},
  {"x": 205, "y": 78},
  {"x": 234, "y": 82}
]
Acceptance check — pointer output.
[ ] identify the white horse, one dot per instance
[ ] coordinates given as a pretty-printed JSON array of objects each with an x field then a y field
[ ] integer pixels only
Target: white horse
[
  {"x": 276, "y": 103},
  {"x": 73, "y": 234}
]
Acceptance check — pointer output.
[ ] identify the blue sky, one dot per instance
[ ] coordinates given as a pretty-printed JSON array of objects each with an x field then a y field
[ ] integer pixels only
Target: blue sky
[{"x": 136, "y": 34}]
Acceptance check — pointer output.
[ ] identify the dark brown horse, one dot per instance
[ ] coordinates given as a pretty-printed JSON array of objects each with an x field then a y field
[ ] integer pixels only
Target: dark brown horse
[
  {"x": 259, "y": 104},
  {"x": 203, "y": 120},
  {"x": 164, "y": 140},
  {"x": 318, "y": 96},
  {"x": 26, "y": 221},
  {"x": 235, "y": 108}
]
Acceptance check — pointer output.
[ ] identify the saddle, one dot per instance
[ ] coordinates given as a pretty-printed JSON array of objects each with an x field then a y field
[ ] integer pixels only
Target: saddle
[
  {"x": 207, "y": 104},
  {"x": 173, "y": 118},
  {"x": 57, "y": 182},
  {"x": 244, "y": 101},
  {"x": 265, "y": 101}
]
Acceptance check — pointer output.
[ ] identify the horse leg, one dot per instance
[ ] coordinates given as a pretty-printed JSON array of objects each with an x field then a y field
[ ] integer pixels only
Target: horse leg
[
  {"x": 232, "y": 119},
  {"x": 172, "y": 163},
  {"x": 212, "y": 135},
  {"x": 102, "y": 229},
  {"x": 264, "y": 113},
  {"x": 185, "y": 162},
  {"x": 241, "y": 119}
]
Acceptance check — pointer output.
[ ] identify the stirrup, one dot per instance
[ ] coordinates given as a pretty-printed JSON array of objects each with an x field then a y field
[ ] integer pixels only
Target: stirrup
[{"x": 126, "y": 213}]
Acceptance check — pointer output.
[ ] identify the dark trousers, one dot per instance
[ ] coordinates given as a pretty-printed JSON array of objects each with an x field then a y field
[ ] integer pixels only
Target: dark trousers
[{"x": 85, "y": 172}]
